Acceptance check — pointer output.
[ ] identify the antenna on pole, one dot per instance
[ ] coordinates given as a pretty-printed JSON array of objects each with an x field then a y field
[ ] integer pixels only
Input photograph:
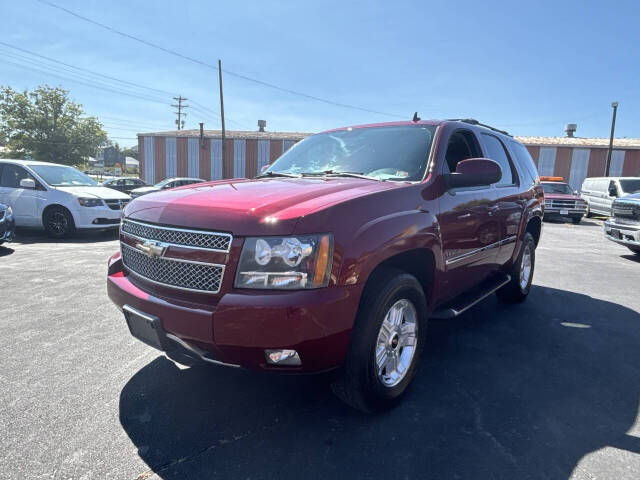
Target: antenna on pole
[{"x": 180, "y": 113}]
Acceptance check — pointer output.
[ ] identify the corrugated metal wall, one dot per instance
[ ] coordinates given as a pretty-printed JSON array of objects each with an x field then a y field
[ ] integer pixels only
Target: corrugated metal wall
[
  {"x": 575, "y": 164},
  {"x": 186, "y": 157},
  {"x": 163, "y": 157}
]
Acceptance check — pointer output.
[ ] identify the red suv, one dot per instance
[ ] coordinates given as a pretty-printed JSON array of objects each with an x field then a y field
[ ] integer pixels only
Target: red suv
[{"x": 336, "y": 255}]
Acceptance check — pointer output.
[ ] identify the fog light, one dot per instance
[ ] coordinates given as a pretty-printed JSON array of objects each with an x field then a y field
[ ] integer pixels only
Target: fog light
[{"x": 283, "y": 357}]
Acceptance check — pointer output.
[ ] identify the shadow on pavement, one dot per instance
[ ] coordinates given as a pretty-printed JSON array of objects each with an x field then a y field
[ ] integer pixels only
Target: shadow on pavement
[
  {"x": 633, "y": 257},
  {"x": 4, "y": 251},
  {"x": 520, "y": 391},
  {"x": 29, "y": 236}
]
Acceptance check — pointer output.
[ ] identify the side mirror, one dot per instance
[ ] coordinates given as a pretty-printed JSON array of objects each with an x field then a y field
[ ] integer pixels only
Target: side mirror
[
  {"x": 613, "y": 192},
  {"x": 474, "y": 172},
  {"x": 264, "y": 168},
  {"x": 29, "y": 183}
]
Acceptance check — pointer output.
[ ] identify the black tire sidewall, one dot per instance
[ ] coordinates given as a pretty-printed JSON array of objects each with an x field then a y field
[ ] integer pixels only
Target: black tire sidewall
[
  {"x": 70, "y": 223},
  {"x": 399, "y": 286}
]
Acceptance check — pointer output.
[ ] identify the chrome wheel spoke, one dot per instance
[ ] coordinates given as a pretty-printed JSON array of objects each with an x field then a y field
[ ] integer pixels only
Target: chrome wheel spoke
[{"x": 396, "y": 343}]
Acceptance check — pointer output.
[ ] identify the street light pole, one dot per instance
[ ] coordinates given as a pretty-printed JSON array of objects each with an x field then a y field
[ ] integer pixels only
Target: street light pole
[{"x": 613, "y": 129}]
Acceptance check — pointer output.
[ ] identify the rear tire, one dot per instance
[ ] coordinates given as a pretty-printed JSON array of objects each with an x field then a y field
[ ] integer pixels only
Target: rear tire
[
  {"x": 521, "y": 273},
  {"x": 58, "y": 222},
  {"x": 386, "y": 342}
]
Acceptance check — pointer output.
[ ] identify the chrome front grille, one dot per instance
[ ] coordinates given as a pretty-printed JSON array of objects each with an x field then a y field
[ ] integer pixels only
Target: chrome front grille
[
  {"x": 626, "y": 211},
  {"x": 182, "y": 274},
  {"x": 116, "y": 204},
  {"x": 219, "y": 242},
  {"x": 563, "y": 204}
]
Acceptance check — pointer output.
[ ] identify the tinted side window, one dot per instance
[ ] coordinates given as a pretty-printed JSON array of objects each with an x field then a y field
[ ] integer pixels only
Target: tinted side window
[
  {"x": 11, "y": 176},
  {"x": 523, "y": 157},
  {"x": 462, "y": 145},
  {"x": 497, "y": 153}
]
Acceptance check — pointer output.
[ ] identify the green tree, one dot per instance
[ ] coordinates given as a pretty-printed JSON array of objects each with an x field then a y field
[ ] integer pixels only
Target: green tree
[{"x": 47, "y": 125}]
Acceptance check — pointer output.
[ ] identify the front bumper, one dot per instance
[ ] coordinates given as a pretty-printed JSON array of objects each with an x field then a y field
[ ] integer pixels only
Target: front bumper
[
  {"x": 237, "y": 327},
  {"x": 629, "y": 233},
  {"x": 555, "y": 212},
  {"x": 97, "y": 217}
]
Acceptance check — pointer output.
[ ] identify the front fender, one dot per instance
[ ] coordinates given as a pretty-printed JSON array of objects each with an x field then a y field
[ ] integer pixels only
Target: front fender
[{"x": 381, "y": 238}]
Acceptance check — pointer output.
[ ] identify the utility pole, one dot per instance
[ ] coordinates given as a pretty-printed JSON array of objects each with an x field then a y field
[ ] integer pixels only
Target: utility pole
[
  {"x": 180, "y": 106},
  {"x": 221, "y": 106},
  {"x": 613, "y": 128}
]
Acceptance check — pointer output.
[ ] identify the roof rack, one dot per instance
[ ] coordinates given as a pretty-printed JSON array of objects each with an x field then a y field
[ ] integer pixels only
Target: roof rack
[{"x": 473, "y": 121}]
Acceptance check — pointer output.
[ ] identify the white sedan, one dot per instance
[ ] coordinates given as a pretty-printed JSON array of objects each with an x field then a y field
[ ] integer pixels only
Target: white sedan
[{"x": 58, "y": 198}]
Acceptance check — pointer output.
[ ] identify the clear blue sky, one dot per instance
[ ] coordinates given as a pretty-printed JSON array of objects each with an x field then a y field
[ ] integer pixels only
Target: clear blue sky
[{"x": 528, "y": 68}]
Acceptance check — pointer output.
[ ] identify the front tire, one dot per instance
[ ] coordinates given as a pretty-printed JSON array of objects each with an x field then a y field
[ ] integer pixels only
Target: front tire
[
  {"x": 58, "y": 222},
  {"x": 576, "y": 220},
  {"x": 521, "y": 273},
  {"x": 387, "y": 339}
]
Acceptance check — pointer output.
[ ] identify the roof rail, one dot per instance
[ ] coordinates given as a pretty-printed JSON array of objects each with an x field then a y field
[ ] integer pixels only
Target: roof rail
[{"x": 473, "y": 121}]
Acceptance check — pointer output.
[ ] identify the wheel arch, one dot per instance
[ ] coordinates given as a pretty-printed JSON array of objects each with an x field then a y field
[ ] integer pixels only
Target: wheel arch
[
  {"x": 534, "y": 227},
  {"x": 50, "y": 207}
]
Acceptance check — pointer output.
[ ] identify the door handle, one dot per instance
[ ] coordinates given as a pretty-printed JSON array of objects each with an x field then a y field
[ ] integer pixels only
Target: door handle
[{"x": 466, "y": 215}]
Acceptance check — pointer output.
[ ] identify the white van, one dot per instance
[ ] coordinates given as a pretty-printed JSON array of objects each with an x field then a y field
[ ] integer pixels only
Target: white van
[
  {"x": 58, "y": 198},
  {"x": 600, "y": 192}
]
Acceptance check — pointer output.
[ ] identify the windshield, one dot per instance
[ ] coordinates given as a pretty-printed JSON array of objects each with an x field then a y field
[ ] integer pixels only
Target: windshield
[
  {"x": 630, "y": 186},
  {"x": 163, "y": 182},
  {"x": 398, "y": 153},
  {"x": 61, "y": 176},
  {"x": 556, "y": 188}
]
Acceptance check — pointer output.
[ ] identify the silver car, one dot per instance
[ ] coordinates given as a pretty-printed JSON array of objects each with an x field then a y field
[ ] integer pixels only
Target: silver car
[{"x": 600, "y": 192}]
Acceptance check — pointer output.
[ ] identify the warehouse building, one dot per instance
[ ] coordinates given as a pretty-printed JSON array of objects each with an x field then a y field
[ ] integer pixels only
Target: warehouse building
[
  {"x": 192, "y": 153},
  {"x": 576, "y": 158},
  {"x": 195, "y": 153}
]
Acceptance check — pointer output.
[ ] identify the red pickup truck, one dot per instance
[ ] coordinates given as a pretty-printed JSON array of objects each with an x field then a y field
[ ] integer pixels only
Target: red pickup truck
[{"x": 336, "y": 255}]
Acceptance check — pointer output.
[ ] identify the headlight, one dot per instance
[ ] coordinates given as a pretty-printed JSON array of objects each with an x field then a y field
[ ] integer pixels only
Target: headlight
[
  {"x": 290, "y": 263},
  {"x": 8, "y": 213},
  {"x": 90, "y": 202}
]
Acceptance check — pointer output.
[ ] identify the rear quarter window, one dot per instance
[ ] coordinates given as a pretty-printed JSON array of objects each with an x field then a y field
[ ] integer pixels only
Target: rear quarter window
[{"x": 523, "y": 157}]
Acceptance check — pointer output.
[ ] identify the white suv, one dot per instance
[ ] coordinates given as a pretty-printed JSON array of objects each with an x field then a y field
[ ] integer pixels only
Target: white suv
[{"x": 58, "y": 198}]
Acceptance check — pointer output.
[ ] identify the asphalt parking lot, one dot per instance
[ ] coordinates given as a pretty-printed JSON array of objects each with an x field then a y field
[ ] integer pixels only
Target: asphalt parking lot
[{"x": 546, "y": 389}]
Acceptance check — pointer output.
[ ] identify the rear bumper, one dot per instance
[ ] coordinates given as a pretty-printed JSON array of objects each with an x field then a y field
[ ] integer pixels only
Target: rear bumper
[
  {"x": 238, "y": 328},
  {"x": 554, "y": 212},
  {"x": 629, "y": 233}
]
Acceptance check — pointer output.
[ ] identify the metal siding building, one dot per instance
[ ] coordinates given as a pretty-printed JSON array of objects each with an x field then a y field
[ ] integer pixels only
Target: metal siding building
[
  {"x": 184, "y": 153},
  {"x": 576, "y": 158}
]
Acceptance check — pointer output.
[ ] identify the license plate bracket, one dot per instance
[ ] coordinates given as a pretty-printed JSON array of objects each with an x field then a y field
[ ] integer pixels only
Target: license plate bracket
[
  {"x": 564, "y": 212},
  {"x": 146, "y": 328}
]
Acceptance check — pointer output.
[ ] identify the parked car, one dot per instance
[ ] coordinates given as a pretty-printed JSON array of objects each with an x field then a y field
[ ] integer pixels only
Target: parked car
[
  {"x": 58, "y": 198},
  {"x": 7, "y": 223},
  {"x": 561, "y": 201},
  {"x": 164, "y": 185},
  {"x": 624, "y": 226},
  {"x": 124, "y": 184},
  {"x": 600, "y": 192},
  {"x": 336, "y": 255}
]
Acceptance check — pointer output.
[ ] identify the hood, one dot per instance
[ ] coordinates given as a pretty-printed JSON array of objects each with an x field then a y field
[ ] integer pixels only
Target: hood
[
  {"x": 270, "y": 206},
  {"x": 562, "y": 196},
  {"x": 97, "y": 192},
  {"x": 632, "y": 198}
]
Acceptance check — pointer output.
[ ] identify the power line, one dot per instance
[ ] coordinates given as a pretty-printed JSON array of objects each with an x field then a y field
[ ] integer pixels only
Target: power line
[
  {"x": 213, "y": 67},
  {"x": 90, "y": 79}
]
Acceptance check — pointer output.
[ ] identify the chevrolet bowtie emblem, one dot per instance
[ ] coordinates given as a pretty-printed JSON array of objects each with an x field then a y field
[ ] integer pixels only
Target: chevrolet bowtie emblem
[{"x": 152, "y": 249}]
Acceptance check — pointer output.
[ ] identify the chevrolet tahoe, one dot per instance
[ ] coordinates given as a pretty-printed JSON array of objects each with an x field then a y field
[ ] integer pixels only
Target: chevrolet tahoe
[{"x": 336, "y": 256}]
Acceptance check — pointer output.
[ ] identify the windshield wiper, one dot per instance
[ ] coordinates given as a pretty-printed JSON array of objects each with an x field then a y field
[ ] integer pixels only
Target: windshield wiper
[
  {"x": 277, "y": 174},
  {"x": 335, "y": 173}
]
